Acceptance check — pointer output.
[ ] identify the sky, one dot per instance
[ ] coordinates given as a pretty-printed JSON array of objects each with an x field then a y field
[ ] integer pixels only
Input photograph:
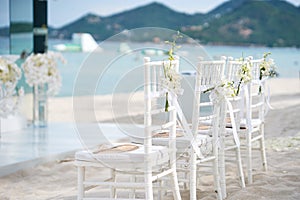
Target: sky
[{"x": 61, "y": 12}]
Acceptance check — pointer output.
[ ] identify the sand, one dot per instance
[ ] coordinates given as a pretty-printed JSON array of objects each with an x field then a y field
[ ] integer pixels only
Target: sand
[{"x": 58, "y": 179}]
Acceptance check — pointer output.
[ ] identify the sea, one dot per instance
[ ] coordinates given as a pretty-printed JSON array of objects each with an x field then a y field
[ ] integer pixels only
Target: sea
[{"x": 112, "y": 68}]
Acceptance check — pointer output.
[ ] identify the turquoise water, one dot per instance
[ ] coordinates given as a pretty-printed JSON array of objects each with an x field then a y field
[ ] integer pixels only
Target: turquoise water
[{"x": 122, "y": 72}]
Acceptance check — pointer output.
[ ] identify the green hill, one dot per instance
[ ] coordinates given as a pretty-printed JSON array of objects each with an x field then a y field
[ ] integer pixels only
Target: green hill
[
  {"x": 152, "y": 15},
  {"x": 271, "y": 23},
  {"x": 235, "y": 22}
]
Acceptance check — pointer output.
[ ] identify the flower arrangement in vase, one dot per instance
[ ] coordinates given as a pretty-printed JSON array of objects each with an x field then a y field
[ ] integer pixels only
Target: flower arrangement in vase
[
  {"x": 10, "y": 74},
  {"x": 42, "y": 74}
]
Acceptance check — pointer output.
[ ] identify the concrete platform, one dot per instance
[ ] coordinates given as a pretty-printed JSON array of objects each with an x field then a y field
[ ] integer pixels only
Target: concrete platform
[{"x": 31, "y": 146}]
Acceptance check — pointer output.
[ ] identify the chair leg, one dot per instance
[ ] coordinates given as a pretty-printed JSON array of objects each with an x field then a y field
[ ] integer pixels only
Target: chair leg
[
  {"x": 217, "y": 179},
  {"x": 193, "y": 176},
  {"x": 132, "y": 192},
  {"x": 160, "y": 192},
  {"x": 148, "y": 180},
  {"x": 176, "y": 191},
  {"x": 185, "y": 185},
  {"x": 263, "y": 149},
  {"x": 249, "y": 158},
  {"x": 186, "y": 175},
  {"x": 240, "y": 166},
  {"x": 81, "y": 178},
  {"x": 222, "y": 171}
]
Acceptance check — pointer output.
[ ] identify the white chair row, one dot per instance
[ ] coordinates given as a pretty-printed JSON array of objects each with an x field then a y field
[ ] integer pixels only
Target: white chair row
[
  {"x": 165, "y": 151},
  {"x": 245, "y": 112}
]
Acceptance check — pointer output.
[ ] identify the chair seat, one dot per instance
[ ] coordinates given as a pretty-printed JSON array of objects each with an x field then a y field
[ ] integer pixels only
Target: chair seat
[
  {"x": 243, "y": 124},
  {"x": 121, "y": 158},
  {"x": 182, "y": 142},
  {"x": 254, "y": 122}
]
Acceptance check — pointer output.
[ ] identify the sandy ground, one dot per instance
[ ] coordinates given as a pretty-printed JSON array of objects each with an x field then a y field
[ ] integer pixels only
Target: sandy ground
[{"x": 57, "y": 180}]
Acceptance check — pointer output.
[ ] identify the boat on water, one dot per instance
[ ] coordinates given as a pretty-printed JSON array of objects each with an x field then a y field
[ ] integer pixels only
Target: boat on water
[
  {"x": 81, "y": 42},
  {"x": 154, "y": 52},
  {"x": 124, "y": 48}
]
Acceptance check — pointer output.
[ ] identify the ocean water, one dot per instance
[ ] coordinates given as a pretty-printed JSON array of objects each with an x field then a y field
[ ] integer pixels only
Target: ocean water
[{"x": 110, "y": 70}]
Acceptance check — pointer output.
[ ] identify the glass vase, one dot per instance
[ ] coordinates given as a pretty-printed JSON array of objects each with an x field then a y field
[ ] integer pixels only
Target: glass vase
[{"x": 40, "y": 105}]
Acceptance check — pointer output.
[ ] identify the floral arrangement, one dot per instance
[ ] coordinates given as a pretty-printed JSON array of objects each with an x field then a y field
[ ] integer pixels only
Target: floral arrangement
[
  {"x": 267, "y": 68},
  {"x": 223, "y": 89},
  {"x": 9, "y": 77},
  {"x": 9, "y": 73},
  {"x": 41, "y": 69},
  {"x": 244, "y": 73},
  {"x": 230, "y": 88},
  {"x": 172, "y": 79}
]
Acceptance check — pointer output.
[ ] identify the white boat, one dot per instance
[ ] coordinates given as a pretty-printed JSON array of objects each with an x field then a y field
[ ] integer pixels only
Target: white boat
[
  {"x": 124, "y": 48},
  {"x": 154, "y": 52},
  {"x": 83, "y": 42}
]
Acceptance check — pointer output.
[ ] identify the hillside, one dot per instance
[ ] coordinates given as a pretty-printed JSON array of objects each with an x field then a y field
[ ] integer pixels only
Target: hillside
[
  {"x": 152, "y": 15},
  {"x": 271, "y": 23},
  {"x": 235, "y": 22}
]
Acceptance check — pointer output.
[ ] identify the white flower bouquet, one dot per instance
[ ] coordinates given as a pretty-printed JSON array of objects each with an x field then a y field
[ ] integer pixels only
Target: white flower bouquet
[
  {"x": 9, "y": 74},
  {"x": 244, "y": 73},
  {"x": 41, "y": 69},
  {"x": 267, "y": 67},
  {"x": 221, "y": 90},
  {"x": 9, "y": 77},
  {"x": 172, "y": 79}
]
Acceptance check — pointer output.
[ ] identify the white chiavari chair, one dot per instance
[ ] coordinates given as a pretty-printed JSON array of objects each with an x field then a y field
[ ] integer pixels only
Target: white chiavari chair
[
  {"x": 255, "y": 117},
  {"x": 209, "y": 74},
  {"x": 143, "y": 163},
  {"x": 251, "y": 126},
  {"x": 228, "y": 137}
]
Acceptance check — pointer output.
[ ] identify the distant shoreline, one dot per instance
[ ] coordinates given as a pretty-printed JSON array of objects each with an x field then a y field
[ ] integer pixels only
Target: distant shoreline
[{"x": 203, "y": 44}]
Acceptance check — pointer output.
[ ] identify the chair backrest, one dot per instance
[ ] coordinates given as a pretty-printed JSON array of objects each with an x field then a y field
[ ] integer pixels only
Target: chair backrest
[
  {"x": 255, "y": 68},
  {"x": 255, "y": 97},
  {"x": 232, "y": 73},
  {"x": 232, "y": 69},
  {"x": 155, "y": 89},
  {"x": 209, "y": 75}
]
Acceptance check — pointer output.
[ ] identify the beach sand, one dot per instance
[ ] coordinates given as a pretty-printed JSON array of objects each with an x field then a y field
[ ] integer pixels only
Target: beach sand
[{"x": 58, "y": 179}]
